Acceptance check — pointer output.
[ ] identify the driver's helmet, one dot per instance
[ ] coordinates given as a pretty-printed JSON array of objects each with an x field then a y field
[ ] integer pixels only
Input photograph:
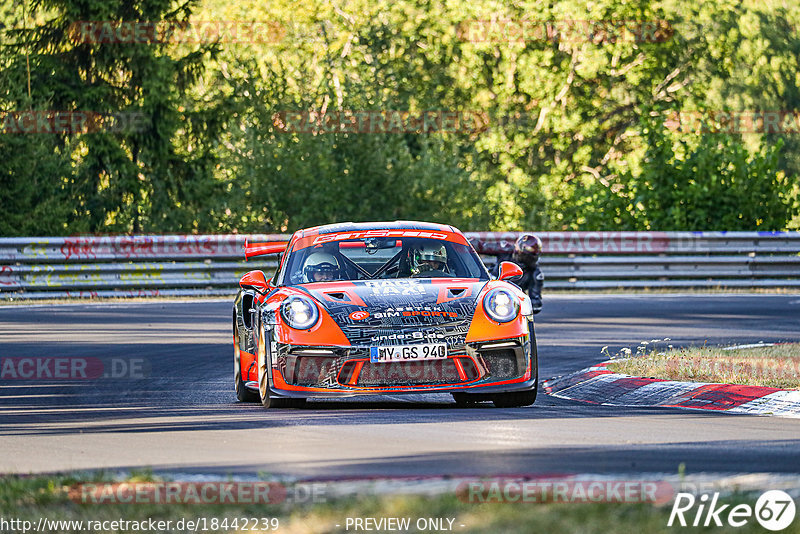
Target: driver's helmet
[
  {"x": 428, "y": 258},
  {"x": 527, "y": 250},
  {"x": 321, "y": 267}
]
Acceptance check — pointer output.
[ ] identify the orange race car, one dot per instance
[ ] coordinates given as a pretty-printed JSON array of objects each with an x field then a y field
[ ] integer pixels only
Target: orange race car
[{"x": 382, "y": 308}]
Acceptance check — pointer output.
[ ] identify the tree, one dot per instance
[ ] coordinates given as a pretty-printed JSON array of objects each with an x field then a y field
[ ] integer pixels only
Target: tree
[
  {"x": 149, "y": 175},
  {"x": 710, "y": 181}
]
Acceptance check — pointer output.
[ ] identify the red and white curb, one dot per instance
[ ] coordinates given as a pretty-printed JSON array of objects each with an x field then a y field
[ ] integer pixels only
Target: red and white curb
[{"x": 598, "y": 385}]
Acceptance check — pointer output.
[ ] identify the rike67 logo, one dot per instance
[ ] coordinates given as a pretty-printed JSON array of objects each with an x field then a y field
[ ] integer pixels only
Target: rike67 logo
[{"x": 774, "y": 510}]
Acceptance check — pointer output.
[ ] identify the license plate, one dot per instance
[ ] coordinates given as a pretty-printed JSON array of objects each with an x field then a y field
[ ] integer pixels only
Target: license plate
[{"x": 408, "y": 353}]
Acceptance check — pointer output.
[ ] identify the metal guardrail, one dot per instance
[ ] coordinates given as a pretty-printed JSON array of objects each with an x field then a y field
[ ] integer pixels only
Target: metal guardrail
[
  {"x": 126, "y": 266},
  {"x": 92, "y": 266},
  {"x": 603, "y": 260}
]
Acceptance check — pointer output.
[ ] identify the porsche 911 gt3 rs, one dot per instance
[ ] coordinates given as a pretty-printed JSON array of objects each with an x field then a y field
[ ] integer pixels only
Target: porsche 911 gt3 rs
[{"x": 382, "y": 308}]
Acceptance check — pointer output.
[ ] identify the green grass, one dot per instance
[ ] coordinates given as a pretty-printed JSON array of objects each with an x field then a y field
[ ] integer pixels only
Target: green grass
[
  {"x": 773, "y": 366},
  {"x": 30, "y": 498}
]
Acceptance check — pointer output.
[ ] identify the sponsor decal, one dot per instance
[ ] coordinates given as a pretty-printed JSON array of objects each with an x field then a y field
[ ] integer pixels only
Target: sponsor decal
[
  {"x": 377, "y": 233},
  {"x": 415, "y": 311},
  {"x": 359, "y": 315},
  {"x": 432, "y": 313},
  {"x": 408, "y": 336},
  {"x": 387, "y": 314},
  {"x": 396, "y": 287}
]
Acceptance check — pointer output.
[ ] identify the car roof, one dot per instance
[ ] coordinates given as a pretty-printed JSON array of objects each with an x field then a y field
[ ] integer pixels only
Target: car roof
[{"x": 365, "y": 226}]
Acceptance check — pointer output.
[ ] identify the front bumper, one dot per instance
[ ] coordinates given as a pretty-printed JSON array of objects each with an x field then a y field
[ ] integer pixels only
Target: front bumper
[{"x": 323, "y": 371}]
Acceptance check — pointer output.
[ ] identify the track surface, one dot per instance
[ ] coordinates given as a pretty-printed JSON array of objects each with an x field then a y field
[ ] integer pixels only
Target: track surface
[{"x": 183, "y": 417}]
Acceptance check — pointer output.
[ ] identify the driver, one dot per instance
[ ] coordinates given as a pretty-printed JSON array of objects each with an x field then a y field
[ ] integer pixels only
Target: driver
[
  {"x": 429, "y": 258},
  {"x": 321, "y": 267}
]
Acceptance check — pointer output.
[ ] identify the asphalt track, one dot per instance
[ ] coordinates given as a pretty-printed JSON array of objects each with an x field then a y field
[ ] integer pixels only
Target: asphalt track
[{"x": 182, "y": 417}]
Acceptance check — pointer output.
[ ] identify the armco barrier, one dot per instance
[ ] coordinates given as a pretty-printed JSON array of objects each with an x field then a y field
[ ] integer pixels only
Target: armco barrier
[
  {"x": 601, "y": 260},
  {"x": 92, "y": 266},
  {"x": 107, "y": 266}
]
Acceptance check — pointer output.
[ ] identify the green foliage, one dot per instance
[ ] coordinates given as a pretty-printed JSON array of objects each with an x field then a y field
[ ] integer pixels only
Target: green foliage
[
  {"x": 715, "y": 185},
  {"x": 576, "y": 136},
  {"x": 33, "y": 196},
  {"x": 153, "y": 177}
]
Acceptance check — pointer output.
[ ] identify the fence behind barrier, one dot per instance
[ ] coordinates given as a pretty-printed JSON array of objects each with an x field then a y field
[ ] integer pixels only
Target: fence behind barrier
[{"x": 148, "y": 265}]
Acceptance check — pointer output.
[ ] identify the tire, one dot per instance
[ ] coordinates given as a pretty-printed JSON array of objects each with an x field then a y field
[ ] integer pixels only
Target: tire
[
  {"x": 267, "y": 400},
  {"x": 242, "y": 393},
  {"x": 465, "y": 400},
  {"x": 517, "y": 399}
]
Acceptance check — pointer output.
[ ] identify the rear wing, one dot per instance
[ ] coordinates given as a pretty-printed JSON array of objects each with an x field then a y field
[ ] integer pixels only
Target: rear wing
[{"x": 262, "y": 249}]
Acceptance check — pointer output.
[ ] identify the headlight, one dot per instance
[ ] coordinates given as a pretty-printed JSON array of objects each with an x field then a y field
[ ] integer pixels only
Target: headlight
[
  {"x": 299, "y": 312},
  {"x": 501, "y": 305}
]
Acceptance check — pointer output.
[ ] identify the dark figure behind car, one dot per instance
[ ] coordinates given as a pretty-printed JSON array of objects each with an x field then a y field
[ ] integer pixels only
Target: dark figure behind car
[{"x": 525, "y": 253}]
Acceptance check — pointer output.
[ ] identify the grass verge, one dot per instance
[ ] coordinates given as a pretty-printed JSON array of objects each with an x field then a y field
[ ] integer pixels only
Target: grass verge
[
  {"x": 772, "y": 366},
  {"x": 32, "y": 498}
]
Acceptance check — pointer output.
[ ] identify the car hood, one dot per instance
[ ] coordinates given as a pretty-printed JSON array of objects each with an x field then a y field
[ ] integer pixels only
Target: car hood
[{"x": 391, "y": 311}]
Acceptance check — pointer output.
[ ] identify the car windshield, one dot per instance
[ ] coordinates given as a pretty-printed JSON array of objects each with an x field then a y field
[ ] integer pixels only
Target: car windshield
[{"x": 378, "y": 258}]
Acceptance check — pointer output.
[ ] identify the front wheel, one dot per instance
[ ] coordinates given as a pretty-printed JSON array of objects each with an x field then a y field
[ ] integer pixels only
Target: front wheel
[
  {"x": 267, "y": 400},
  {"x": 515, "y": 399}
]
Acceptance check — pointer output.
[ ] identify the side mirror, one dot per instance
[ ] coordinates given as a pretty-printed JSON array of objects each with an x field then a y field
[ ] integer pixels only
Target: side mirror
[
  {"x": 509, "y": 271},
  {"x": 255, "y": 280}
]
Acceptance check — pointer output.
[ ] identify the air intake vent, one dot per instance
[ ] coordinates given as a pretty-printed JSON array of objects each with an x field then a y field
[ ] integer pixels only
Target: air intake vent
[
  {"x": 408, "y": 373},
  {"x": 316, "y": 371},
  {"x": 501, "y": 363}
]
